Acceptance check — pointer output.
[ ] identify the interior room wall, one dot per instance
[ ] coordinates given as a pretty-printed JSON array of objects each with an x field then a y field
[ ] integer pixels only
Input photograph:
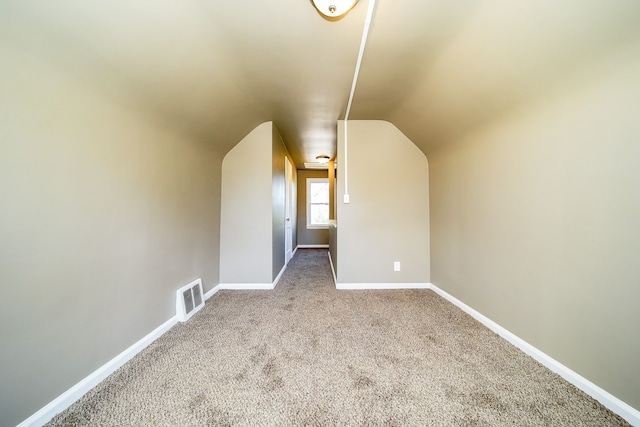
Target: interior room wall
[
  {"x": 246, "y": 212},
  {"x": 104, "y": 214},
  {"x": 253, "y": 208},
  {"x": 313, "y": 236},
  {"x": 387, "y": 219},
  {"x": 535, "y": 223}
]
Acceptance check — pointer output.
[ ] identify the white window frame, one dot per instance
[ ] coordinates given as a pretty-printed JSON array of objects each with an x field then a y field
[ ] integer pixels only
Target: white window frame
[{"x": 308, "y": 203}]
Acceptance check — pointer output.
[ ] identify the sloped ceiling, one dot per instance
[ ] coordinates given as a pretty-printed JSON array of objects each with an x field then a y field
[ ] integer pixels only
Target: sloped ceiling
[{"x": 215, "y": 70}]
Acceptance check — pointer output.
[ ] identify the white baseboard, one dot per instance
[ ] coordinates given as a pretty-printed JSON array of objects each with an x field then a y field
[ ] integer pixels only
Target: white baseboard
[
  {"x": 252, "y": 286},
  {"x": 70, "y": 396},
  {"x": 275, "y": 282},
  {"x": 294, "y": 252},
  {"x": 67, "y": 398},
  {"x": 246, "y": 286},
  {"x": 313, "y": 246},
  {"x": 363, "y": 286},
  {"x": 212, "y": 292},
  {"x": 333, "y": 270},
  {"x": 616, "y": 405}
]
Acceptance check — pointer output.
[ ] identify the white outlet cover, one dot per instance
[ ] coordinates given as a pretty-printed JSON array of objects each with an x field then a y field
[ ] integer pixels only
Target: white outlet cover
[{"x": 396, "y": 266}]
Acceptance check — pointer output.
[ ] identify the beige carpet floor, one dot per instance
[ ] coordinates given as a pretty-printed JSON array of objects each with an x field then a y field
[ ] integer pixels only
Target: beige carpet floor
[{"x": 306, "y": 354}]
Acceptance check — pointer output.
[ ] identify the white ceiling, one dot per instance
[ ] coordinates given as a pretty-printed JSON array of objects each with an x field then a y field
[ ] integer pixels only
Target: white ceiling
[{"x": 436, "y": 69}]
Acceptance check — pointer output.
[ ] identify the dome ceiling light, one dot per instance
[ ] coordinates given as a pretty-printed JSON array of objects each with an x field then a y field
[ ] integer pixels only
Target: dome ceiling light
[
  {"x": 323, "y": 158},
  {"x": 334, "y": 8}
]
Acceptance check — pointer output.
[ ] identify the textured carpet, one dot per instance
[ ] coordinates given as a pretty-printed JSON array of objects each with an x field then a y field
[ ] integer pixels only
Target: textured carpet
[{"x": 307, "y": 354}]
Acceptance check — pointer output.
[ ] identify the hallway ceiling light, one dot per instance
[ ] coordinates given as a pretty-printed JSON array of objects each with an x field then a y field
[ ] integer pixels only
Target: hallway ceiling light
[
  {"x": 323, "y": 158},
  {"x": 334, "y": 8}
]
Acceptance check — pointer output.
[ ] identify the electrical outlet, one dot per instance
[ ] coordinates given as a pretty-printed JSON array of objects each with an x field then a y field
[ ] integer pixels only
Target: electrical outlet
[
  {"x": 346, "y": 198},
  {"x": 396, "y": 266}
]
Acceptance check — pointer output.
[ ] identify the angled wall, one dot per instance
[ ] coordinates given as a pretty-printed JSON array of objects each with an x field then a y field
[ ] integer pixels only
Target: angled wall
[
  {"x": 535, "y": 223},
  {"x": 246, "y": 207},
  {"x": 104, "y": 214},
  {"x": 387, "y": 219},
  {"x": 253, "y": 209}
]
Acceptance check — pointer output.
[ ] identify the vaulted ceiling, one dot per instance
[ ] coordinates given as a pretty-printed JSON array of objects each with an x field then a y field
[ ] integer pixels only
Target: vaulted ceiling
[{"x": 215, "y": 70}]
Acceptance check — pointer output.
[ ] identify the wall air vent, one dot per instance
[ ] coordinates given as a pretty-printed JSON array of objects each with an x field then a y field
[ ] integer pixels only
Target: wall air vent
[
  {"x": 316, "y": 165},
  {"x": 189, "y": 299}
]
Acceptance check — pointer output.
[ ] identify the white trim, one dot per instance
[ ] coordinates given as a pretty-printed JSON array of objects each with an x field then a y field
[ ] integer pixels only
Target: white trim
[
  {"x": 294, "y": 252},
  {"x": 70, "y": 396},
  {"x": 630, "y": 414},
  {"x": 253, "y": 286},
  {"x": 212, "y": 292},
  {"x": 335, "y": 279},
  {"x": 313, "y": 246},
  {"x": 275, "y": 282},
  {"x": 289, "y": 210},
  {"x": 66, "y": 399},
  {"x": 363, "y": 286},
  {"x": 309, "y": 225},
  {"x": 363, "y": 43},
  {"x": 246, "y": 286}
]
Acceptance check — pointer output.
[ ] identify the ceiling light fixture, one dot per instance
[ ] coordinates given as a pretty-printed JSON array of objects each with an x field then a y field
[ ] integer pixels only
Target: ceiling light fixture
[
  {"x": 323, "y": 158},
  {"x": 334, "y": 8}
]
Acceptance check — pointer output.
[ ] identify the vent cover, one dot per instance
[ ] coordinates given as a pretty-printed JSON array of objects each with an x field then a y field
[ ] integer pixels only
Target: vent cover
[
  {"x": 316, "y": 165},
  {"x": 189, "y": 300}
]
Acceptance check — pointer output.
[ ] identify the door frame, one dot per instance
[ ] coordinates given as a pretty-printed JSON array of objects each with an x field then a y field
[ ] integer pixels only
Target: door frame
[{"x": 289, "y": 210}]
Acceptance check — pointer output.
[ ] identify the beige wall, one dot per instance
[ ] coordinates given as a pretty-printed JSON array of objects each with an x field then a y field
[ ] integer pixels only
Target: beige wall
[
  {"x": 246, "y": 215},
  {"x": 535, "y": 223},
  {"x": 104, "y": 214},
  {"x": 252, "y": 212},
  {"x": 309, "y": 236},
  {"x": 388, "y": 217}
]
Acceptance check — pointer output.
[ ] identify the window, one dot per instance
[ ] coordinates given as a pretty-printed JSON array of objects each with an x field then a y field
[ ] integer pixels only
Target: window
[{"x": 317, "y": 202}]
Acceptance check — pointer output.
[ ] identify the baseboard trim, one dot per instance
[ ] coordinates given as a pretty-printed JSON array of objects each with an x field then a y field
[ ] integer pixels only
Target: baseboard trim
[
  {"x": 246, "y": 286},
  {"x": 253, "y": 286},
  {"x": 364, "y": 286},
  {"x": 626, "y": 411},
  {"x": 313, "y": 246},
  {"x": 66, "y": 399},
  {"x": 277, "y": 279},
  {"x": 212, "y": 292},
  {"x": 335, "y": 279},
  {"x": 70, "y": 396}
]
